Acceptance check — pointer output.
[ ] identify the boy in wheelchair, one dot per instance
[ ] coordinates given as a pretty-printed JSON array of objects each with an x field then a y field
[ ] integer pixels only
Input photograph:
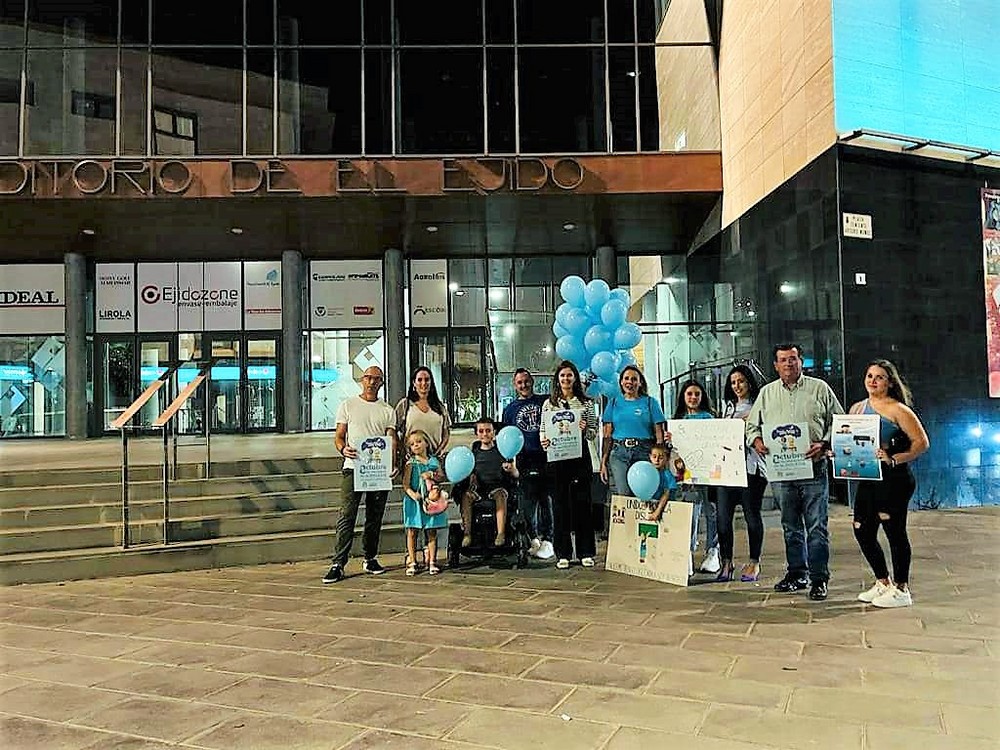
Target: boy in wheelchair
[{"x": 492, "y": 479}]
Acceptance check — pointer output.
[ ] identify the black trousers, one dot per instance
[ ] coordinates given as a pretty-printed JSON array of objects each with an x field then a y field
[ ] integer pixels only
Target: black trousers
[
  {"x": 889, "y": 497},
  {"x": 750, "y": 498},
  {"x": 569, "y": 486}
]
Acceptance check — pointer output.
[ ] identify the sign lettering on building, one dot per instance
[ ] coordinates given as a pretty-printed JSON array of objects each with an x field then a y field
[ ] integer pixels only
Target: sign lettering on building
[
  {"x": 32, "y": 298},
  {"x": 345, "y": 294},
  {"x": 428, "y": 293},
  {"x": 189, "y": 297},
  {"x": 115, "y": 298}
]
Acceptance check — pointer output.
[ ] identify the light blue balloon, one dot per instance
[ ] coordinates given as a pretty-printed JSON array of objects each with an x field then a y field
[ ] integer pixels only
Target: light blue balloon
[
  {"x": 559, "y": 331},
  {"x": 643, "y": 480},
  {"x": 613, "y": 313},
  {"x": 593, "y": 389},
  {"x": 459, "y": 463},
  {"x": 625, "y": 358},
  {"x": 627, "y": 336},
  {"x": 572, "y": 289},
  {"x": 561, "y": 313},
  {"x": 622, "y": 295},
  {"x": 510, "y": 441},
  {"x": 603, "y": 364},
  {"x": 596, "y": 293},
  {"x": 576, "y": 322},
  {"x": 597, "y": 339},
  {"x": 594, "y": 313},
  {"x": 610, "y": 388},
  {"x": 566, "y": 346}
]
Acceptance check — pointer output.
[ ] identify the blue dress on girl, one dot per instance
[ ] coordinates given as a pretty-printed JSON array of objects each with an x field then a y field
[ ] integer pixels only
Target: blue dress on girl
[{"x": 413, "y": 513}]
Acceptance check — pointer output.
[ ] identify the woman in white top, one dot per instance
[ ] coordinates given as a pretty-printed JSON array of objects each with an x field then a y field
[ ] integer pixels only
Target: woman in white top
[{"x": 422, "y": 409}]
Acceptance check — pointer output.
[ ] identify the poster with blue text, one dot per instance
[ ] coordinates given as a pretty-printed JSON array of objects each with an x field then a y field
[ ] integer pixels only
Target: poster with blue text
[
  {"x": 854, "y": 444},
  {"x": 787, "y": 445},
  {"x": 373, "y": 466}
]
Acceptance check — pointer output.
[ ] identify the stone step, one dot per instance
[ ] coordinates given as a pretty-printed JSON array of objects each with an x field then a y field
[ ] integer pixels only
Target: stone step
[
  {"x": 107, "y": 562},
  {"x": 13, "y": 477},
  {"x": 110, "y": 492},
  {"x": 146, "y": 527}
]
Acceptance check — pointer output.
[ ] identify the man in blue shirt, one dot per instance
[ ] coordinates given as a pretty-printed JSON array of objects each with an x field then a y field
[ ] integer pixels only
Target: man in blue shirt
[{"x": 525, "y": 413}]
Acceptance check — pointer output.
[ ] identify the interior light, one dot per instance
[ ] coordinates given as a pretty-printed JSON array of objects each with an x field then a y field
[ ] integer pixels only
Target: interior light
[
  {"x": 671, "y": 280},
  {"x": 977, "y": 431},
  {"x": 496, "y": 293},
  {"x": 453, "y": 286},
  {"x": 89, "y": 232},
  {"x": 547, "y": 349},
  {"x": 236, "y": 230},
  {"x": 786, "y": 288},
  {"x": 569, "y": 226},
  {"x": 751, "y": 314},
  {"x": 432, "y": 228},
  {"x": 459, "y": 292},
  {"x": 510, "y": 329}
]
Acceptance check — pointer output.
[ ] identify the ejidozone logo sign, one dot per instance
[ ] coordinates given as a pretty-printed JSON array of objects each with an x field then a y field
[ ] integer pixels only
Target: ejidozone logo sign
[
  {"x": 787, "y": 436},
  {"x": 152, "y": 294}
]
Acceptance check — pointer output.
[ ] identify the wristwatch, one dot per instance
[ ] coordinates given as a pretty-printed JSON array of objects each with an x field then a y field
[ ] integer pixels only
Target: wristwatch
[{"x": 892, "y": 461}]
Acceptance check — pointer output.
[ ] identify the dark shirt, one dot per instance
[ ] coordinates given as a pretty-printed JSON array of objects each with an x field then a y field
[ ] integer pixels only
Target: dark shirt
[
  {"x": 488, "y": 469},
  {"x": 526, "y": 415}
]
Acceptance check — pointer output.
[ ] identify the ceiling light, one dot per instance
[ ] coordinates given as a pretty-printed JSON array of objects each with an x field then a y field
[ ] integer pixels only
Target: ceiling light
[
  {"x": 236, "y": 230},
  {"x": 453, "y": 286},
  {"x": 432, "y": 228},
  {"x": 671, "y": 280},
  {"x": 569, "y": 226},
  {"x": 88, "y": 232},
  {"x": 786, "y": 288},
  {"x": 460, "y": 293}
]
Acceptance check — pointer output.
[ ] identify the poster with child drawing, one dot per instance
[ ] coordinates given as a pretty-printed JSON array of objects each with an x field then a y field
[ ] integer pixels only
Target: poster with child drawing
[
  {"x": 854, "y": 443},
  {"x": 658, "y": 550},
  {"x": 711, "y": 449}
]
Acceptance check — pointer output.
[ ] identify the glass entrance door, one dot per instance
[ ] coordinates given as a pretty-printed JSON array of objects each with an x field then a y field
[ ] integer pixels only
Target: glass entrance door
[
  {"x": 154, "y": 360},
  {"x": 456, "y": 358},
  {"x": 118, "y": 385},
  {"x": 262, "y": 384},
  {"x": 225, "y": 386}
]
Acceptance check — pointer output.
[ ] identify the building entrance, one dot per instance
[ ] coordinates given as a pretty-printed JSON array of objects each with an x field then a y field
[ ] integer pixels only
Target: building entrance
[{"x": 462, "y": 369}]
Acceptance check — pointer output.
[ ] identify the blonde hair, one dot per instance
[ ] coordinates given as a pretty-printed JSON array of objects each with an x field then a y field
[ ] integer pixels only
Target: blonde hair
[{"x": 421, "y": 434}]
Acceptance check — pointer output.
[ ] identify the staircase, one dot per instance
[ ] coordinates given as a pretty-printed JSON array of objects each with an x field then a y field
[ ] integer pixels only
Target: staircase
[{"x": 66, "y": 524}]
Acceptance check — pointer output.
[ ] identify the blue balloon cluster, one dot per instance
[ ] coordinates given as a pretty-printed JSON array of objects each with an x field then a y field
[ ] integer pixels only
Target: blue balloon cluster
[{"x": 592, "y": 332}]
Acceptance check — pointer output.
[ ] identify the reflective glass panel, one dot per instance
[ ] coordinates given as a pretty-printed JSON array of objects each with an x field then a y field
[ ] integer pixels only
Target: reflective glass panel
[
  {"x": 119, "y": 383},
  {"x": 311, "y": 23},
  {"x": 442, "y": 101},
  {"x": 262, "y": 382},
  {"x": 32, "y": 386},
  {"x": 224, "y": 398},
  {"x": 10, "y": 100},
  {"x": 12, "y": 23},
  {"x": 336, "y": 361},
  {"x": 54, "y": 23},
  {"x": 196, "y": 22},
  {"x": 260, "y": 101},
  {"x": 319, "y": 94},
  {"x": 467, "y": 387},
  {"x": 560, "y": 21},
  {"x": 464, "y": 25},
  {"x": 134, "y": 100}
]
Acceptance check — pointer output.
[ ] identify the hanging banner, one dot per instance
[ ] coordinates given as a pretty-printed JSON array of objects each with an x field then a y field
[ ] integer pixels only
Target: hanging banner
[
  {"x": 428, "y": 293},
  {"x": 991, "y": 261},
  {"x": 115, "y": 298},
  {"x": 262, "y": 295},
  {"x": 345, "y": 294},
  {"x": 32, "y": 298}
]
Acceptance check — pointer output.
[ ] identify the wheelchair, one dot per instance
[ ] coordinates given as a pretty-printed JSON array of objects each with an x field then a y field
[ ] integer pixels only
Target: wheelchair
[{"x": 484, "y": 529}]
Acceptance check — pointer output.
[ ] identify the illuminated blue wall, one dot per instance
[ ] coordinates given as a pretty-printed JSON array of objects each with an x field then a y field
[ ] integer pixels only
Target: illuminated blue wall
[{"x": 921, "y": 68}]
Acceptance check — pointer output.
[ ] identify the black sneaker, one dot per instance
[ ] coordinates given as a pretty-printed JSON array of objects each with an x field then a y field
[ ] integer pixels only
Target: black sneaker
[
  {"x": 334, "y": 574},
  {"x": 791, "y": 582},
  {"x": 373, "y": 567},
  {"x": 818, "y": 591}
]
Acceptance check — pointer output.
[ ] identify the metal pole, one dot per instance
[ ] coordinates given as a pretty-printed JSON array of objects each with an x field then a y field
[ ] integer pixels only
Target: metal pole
[
  {"x": 166, "y": 485},
  {"x": 208, "y": 422},
  {"x": 124, "y": 488},
  {"x": 173, "y": 432}
]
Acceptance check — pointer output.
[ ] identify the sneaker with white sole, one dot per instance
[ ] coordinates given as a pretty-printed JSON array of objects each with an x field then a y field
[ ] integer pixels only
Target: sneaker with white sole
[
  {"x": 546, "y": 551},
  {"x": 874, "y": 592},
  {"x": 894, "y": 597},
  {"x": 587, "y": 562},
  {"x": 563, "y": 564},
  {"x": 711, "y": 563},
  {"x": 372, "y": 567},
  {"x": 536, "y": 544}
]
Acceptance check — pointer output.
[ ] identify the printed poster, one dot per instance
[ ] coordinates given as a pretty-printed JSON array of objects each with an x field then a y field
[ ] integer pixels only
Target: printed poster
[
  {"x": 712, "y": 451},
  {"x": 854, "y": 444},
  {"x": 787, "y": 445},
  {"x": 115, "y": 297},
  {"x": 660, "y": 551},
  {"x": 991, "y": 261},
  {"x": 428, "y": 293},
  {"x": 345, "y": 294},
  {"x": 32, "y": 298},
  {"x": 565, "y": 436},
  {"x": 373, "y": 466}
]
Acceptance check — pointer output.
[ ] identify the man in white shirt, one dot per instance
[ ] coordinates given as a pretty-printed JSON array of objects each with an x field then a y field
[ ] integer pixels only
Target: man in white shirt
[{"x": 360, "y": 417}]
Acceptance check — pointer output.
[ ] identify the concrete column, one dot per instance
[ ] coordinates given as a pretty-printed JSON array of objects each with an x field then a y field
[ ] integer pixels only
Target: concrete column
[
  {"x": 395, "y": 341},
  {"x": 76, "y": 345},
  {"x": 291, "y": 340},
  {"x": 607, "y": 265}
]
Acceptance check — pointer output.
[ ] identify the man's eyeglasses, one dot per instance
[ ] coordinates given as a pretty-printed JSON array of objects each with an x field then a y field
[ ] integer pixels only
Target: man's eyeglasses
[{"x": 373, "y": 378}]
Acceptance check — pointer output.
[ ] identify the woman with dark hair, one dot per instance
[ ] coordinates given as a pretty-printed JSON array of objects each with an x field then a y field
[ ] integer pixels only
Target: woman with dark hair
[
  {"x": 693, "y": 403},
  {"x": 884, "y": 503},
  {"x": 422, "y": 409},
  {"x": 738, "y": 396},
  {"x": 569, "y": 480},
  {"x": 633, "y": 424}
]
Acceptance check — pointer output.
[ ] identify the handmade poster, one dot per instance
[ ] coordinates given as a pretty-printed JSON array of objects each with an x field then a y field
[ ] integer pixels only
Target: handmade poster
[
  {"x": 787, "y": 445},
  {"x": 854, "y": 443},
  {"x": 711, "y": 449},
  {"x": 562, "y": 428},
  {"x": 373, "y": 466},
  {"x": 660, "y": 551}
]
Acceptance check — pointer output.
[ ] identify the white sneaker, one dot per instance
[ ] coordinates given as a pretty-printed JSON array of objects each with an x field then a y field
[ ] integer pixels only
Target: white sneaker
[
  {"x": 893, "y": 598},
  {"x": 546, "y": 551},
  {"x": 874, "y": 592},
  {"x": 587, "y": 562},
  {"x": 711, "y": 563},
  {"x": 536, "y": 544},
  {"x": 563, "y": 564}
]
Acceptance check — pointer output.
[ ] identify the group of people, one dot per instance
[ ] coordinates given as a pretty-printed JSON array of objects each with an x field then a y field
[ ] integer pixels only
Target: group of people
[{"x": 556, "y": 496}]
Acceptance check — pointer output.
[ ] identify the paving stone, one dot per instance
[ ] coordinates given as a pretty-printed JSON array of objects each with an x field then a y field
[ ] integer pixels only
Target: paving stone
[
  {"x": 569, "y": 648},
  {"x": 776, "y": 729},
  {"x": 718, "y": 689},
  {"x": 852, "y": 705},
  {"x": 618, "y": 634},
  {"x": 606, "y": 616},
  {"x": 37, "y": 616},
  {"x": 532, "y": 625},
  {"x": 108, "y": 646},
  {"x": 630, "y": 738},
  {"x": 516, "y": 731},
  {"x": 421, "y": 616},
  {"x": 158, "y": 719},
  {"x": 192, "y": 632},
  {"x": 929, "y": 644},
  {"x": 966, "y": 692},
  {"x": 172, "y": 682},
  {"x": 796, "y": 673},
  {"x": 501, "y": 692},
  {"x": 187, "y": 654},
  {"x": 426, "y": 717},
  {"x": 281, "y": 640},
  {"x": 728, "y": 644},
  {"x": 470, "y": 660},
  {"x": 379, "y": 740},
  {"x": 391, "y": 679},
  {"x": 645, "y": 711},
  {"x": 835, "y": 635},
  {"x": 44, "y": 700},
  {"x": 671, "y": 657},
  {"x": 277, "y": 664},
  {"x": 595, "y": 675},
  {"x": 373, "y": 650},
  {"x": 30, "y": 734},
  {"x": 508, "y": 608},
  {"x": 879, "y": 737},
  {"x": 972, "y": 721},
  {"x": 278, "y": 696},
  {"x": 124, "y": 742},
  {"x": 76, "y": 670},
  {"x": 256, "y": 731},
  {"x": 850, "y": 656}
]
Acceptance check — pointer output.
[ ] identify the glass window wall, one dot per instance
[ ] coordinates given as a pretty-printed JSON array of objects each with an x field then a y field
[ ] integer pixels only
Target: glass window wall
[
  {"x": 336, "y": 361},
  {"x": 32, "y": 386}
]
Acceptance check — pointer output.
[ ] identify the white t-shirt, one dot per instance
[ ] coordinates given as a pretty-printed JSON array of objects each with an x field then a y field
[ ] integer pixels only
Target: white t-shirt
[{"x": 364, "y": 419}]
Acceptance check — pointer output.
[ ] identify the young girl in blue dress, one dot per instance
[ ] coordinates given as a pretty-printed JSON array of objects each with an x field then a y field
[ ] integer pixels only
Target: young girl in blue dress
[{"x": 420, "y": 485}]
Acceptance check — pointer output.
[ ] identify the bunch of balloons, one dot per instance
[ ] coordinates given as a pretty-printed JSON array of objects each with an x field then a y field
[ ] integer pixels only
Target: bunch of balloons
[
  {"x": 460, "y": 462},
  {"x": 591, "y": 332}
]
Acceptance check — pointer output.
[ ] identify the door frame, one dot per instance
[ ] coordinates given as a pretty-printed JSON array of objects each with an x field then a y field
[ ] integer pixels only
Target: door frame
[
  {"x": 445, "y": 389},
  {"x": 279, "y": 416}
]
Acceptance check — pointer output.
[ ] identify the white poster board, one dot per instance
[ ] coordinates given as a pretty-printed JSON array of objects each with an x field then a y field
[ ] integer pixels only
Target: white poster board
[
  {"x": 787, "y": 445},
  {"x": 854, "y": 443},
  {"x": 262, "y": 295},
  {"x": 345, "y": 294},
  {"x": 115, "y": 298},
  {"x": 32, "y": 298},
  {"x": 660, "y": 551},
  {"x": 712, "y": 450},
  {"x": 428, "y": 293},
  {"x": 222, "y": 296},
  {"x": 562, "y": 428},
  {"x": 373, "y": 466}
]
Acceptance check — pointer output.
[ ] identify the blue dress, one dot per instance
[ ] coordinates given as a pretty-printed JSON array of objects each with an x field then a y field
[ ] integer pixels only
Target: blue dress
[{"x": 413, "y": 514}]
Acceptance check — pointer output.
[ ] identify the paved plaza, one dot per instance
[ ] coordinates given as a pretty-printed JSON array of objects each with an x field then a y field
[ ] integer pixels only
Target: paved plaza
[{"x": 268, "y": 657}]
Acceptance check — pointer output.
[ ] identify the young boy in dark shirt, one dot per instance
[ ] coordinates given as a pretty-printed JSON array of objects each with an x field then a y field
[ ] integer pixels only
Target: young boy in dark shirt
[{"x": 488, "y": 480}]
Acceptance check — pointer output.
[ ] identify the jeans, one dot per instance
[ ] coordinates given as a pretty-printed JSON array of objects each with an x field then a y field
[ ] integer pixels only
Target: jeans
[
  {"x": 689, "y": 493},
  {"x": 804, "y": 509},
  {"x": 349, "y": 503},
  {"x": 710, "y": 509},
  {"x": 620, "y": 461},
  {"x": 750, "y": 498},
  {"x": 891, "y": 498},
  {"x": 537, "y": 509}
]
